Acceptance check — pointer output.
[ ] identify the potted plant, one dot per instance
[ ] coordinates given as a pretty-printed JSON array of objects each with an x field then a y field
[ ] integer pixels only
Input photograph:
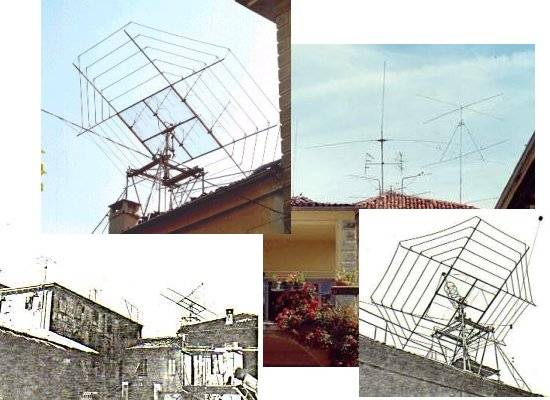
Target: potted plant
[
  {"x": 347, "y": 278},
  {"x": 276, "y": 282}
]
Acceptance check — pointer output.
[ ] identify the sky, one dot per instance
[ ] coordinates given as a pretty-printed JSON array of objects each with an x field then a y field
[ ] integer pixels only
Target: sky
[
  {"x": 381, "y": 230},
  {"x": 81, "y": 181},
  {"x": 139, "y": 267},
  {"x": 337, "y": 97}
]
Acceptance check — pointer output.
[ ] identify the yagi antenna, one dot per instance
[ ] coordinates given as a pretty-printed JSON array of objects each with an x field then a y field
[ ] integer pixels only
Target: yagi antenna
[
  {"x": 460, "y": 127},
  {"x": 194, "y": 310}
]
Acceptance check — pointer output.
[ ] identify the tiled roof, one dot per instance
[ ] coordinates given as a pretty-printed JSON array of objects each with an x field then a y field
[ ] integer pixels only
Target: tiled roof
[
  {"x": 397, "y": 200},
  {"x": 302, "y": 201},
  {"x": 389, "y": 199}
]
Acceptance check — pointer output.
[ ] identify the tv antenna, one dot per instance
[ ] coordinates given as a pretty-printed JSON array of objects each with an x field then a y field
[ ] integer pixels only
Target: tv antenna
[
  {"x": 193, "y": 311},
  {"x": 460, "y": 127},
  {"x": 178, "y": 117},
  {"x": 131, "y": 310},
  {"x": 454, "y": 295}
]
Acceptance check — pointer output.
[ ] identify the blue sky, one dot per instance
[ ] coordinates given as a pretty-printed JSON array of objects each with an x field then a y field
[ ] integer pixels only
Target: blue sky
[
  {"x": 336, "y": 97},
  {"x": 81, "y": 182}
]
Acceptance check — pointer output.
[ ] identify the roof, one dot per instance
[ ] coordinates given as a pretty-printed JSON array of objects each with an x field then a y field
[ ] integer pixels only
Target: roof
[
  {"x": 389, "y": 199},
  {"x": 266, "y": 170},
  {"x": 518, "y": 179},
  {"x": 243, "y": 320},
  {"x": 48, "y": 338},
  {"x": 58, "y": 286},
  {"x": 266, "y": 8},
  {"x": 393, "y": 199},
  {"x": 302, "y": 201}
]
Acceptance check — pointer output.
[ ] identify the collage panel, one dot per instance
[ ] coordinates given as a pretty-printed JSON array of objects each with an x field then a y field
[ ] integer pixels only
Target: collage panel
[
  {"x": 158, "y": 121},
  {"x": 448, "y": 303},
  {"x": 311, "y": 288},
  {"x": 381, "y": 181},
  {"x": 122, "y": 324}
]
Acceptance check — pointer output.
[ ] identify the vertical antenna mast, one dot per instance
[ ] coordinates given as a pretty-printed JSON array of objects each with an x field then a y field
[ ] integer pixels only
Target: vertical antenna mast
[{"x": 382, "y": 140}]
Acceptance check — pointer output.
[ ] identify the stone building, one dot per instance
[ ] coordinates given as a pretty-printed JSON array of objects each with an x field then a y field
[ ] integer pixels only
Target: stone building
[
  {"x": 39, "y": 365},
  {"x": 200, "y": 360},
  {"x": 56, "y": 310}
]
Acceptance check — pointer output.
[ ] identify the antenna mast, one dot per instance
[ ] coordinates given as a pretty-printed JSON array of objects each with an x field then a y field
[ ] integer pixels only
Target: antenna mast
[{"x": 382, "y": 140}]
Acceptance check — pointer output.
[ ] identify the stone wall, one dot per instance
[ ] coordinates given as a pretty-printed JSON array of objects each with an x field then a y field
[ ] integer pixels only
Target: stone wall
[
  {"x": 36, "y": 369},
  {"x": 346, "y": 246},
  {"x": 141, "y": 380},
  {"x": 385, "y": 371},
  {"x": 95, "y": 326}
]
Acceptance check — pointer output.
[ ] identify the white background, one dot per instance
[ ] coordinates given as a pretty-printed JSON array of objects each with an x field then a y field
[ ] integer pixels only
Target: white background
[{"x": 313, "y": 21}]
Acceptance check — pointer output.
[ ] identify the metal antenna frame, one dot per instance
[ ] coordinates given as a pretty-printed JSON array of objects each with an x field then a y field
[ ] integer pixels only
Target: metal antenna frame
[
  {"x": 182, "y": 116},
  {"x": 194, "y": 309},
  {"x": 460, "y": 108},
  {"x": 453, "y": 294}
]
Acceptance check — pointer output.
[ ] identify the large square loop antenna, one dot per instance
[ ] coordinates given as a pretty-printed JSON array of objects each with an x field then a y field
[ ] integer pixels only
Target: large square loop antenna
[
  {"x": 455, "y": 290},
  {"x": 176, "y": 109}
]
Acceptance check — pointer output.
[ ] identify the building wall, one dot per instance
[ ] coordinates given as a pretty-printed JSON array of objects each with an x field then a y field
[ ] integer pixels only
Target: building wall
[
  {"x": 321, "y": 242},
  {"x": 86, "y": 322},
  {"x": 315, "y": 258},
  {"x": 254, "y": 207},
  {"x": 218, "y": 334},
  {"x": 25, "y": 310},
  {"x": 387, "y": 371},
  {"x": 283, "y": 21},
  {"x": 210, "y": 346},
  {"x": 142, "y": 386},
  {"x": 30, "y": 369},
  {"x": 346, "y": 244}
]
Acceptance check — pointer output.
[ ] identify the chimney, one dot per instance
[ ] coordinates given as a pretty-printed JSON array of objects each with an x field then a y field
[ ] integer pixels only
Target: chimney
[
  {"x": 123, "y": 215},
  {"x": 229, "y": 316}
]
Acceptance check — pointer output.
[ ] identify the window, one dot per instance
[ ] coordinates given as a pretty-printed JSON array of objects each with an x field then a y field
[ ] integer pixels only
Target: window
[
  {"x": 141, "y": 369},
  {"x": 171, "y": 366},
  {"x": 62, "y": 304},
  {"x": 109, "y": 322},
  {"x": 28, "y": 302}
]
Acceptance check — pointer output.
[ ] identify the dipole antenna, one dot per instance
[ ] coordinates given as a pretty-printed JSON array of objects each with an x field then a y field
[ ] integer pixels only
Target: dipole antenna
[{"x": 460, "y": 127}]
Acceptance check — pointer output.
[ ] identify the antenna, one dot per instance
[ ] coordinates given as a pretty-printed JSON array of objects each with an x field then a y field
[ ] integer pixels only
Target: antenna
[
  {"x": 132, "y": 310},
  {"x": 460, "y": 127},
  {"x": 403, "y": 179},
  {"x": 194, "y": 310},
  {"x": 44, "y": 261},
  {"x": 178, "y": 117},
  {"x": 454, "y": 294},
  {"x": 381, "y": 140}
]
